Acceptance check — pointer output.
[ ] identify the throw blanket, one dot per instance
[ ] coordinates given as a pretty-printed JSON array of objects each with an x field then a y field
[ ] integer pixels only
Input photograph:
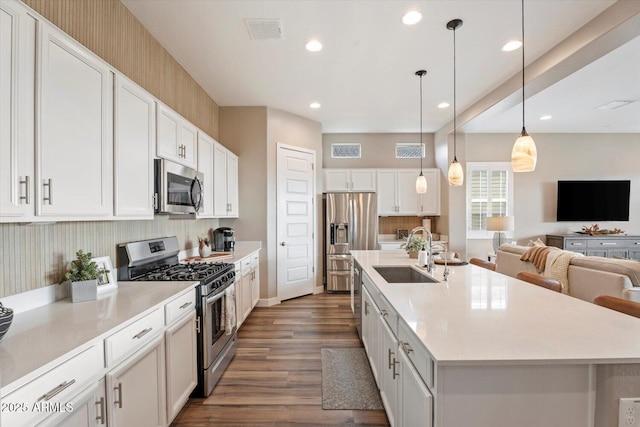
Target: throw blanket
[
  {"x": 229, "y": 309},
  {"x": 537, "y": 255},
  {"x": 558, "y": 267}
]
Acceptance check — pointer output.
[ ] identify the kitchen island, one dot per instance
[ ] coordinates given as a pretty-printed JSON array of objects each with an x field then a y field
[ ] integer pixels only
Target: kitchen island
[{"x": 491, "y": 350}]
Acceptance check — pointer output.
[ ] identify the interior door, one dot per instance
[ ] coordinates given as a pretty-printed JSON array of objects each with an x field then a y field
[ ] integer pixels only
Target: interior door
[{"x": 296, "y": 222}]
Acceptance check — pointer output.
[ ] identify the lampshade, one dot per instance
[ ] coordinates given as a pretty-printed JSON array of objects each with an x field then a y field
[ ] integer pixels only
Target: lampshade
[
  {"x": 421, "y": 184},
  {"x": 500, "y": 223},
  {"x": 524, "y": 154},
  {"x": 456, "y": 175}
]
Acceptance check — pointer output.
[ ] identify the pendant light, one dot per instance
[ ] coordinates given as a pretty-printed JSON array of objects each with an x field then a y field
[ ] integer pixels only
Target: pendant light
[
  {"x": 524, "y": 154},
  {"x": 421, "y": 182},
  {"x": 455, "y": 175}
]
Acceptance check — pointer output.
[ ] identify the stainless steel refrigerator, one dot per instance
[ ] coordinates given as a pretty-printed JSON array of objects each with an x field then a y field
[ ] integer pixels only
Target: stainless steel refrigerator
[{"x": 350, "y": 223}]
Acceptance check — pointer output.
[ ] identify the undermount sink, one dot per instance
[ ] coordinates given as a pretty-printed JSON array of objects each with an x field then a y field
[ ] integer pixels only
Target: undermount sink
[{"x": 403, "y": 274}]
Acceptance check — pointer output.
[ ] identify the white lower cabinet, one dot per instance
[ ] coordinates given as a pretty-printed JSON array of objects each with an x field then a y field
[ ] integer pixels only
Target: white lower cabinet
[
  {"x": 136, "y": 389},
  {"x": 247, "y": 286},
  {"x": 255, "y": 279},
  {"x": 181, "y": 369},
  {"x": 390, "y": 372},
  {"x": 415, "y": 403},
  {"x": 371, "y": 333},
  {"x": 88, "y": 409}
]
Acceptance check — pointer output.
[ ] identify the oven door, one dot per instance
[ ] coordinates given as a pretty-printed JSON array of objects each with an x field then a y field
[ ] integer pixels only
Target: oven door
[
  {"x": 178, "y": 188},
  {"x": 219, "y": 324}
]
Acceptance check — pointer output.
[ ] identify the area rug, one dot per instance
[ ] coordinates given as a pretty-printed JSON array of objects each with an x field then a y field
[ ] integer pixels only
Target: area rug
[{"x": 347, "y": 381}]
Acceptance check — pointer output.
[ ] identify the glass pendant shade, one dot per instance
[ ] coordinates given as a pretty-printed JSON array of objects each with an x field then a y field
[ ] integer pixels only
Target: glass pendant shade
[
  {"x": 421, "y": 184},
  {"x": 524, "y": 154},
  {"x": 456, "y": 175}
]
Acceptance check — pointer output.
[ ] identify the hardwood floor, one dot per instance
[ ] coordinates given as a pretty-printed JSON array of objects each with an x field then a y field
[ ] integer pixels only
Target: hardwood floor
[{"x": 275, "y": 377}]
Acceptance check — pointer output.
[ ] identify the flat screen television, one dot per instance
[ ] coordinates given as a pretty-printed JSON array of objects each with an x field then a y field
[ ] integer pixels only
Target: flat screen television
[{"x": 593, "y": 200}]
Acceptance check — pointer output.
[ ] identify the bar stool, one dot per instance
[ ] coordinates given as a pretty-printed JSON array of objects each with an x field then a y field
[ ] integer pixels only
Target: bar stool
[
  {"x": 482, "y": 263},
  {"x": 542, "y": 281},
  {"x": 625, "y": 306}
]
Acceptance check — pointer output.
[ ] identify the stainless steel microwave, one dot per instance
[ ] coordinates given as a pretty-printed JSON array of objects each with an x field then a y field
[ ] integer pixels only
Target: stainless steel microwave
[{"x": 178, "y": 189}]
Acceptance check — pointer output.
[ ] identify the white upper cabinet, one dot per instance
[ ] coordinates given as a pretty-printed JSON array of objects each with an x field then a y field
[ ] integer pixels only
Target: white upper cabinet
[
  {"x": 17, "y": 77},
  {"x": 74, "y": 123},
  {"x": 205, "y": 165},
  {"x": 397, "y": 194},
  {"x": 134, "y": 142},
  {"x": 177, "y": 139},
  {"x": 349, "y": 180},
  {"x": 225, "y": 176}
]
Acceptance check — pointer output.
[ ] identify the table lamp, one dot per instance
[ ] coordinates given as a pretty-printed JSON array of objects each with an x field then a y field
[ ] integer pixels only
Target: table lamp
[{"x": 499, "y": 224}]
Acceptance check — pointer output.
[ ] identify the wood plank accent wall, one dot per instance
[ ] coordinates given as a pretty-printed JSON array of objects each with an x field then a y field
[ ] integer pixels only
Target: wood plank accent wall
[
  {"x": 35, "y": 256},
  {"x": 109, "y": 29}
]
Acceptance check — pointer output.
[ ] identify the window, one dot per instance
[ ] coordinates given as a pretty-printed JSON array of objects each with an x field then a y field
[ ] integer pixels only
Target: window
[
  {"x": 489, "y": 193},
  {"x": 409, "y": 150},
  {"x": 345, "y": 151}
]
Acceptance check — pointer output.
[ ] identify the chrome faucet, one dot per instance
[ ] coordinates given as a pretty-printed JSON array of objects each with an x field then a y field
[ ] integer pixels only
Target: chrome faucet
[{"x": 429, "y": 242}]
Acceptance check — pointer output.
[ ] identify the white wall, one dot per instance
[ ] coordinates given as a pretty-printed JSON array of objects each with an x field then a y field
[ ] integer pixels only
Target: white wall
[{"x": 560, "y": 157}]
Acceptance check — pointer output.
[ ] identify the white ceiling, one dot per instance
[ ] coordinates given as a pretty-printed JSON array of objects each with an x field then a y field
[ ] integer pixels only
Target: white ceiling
[{"x": 364, "y": 77}]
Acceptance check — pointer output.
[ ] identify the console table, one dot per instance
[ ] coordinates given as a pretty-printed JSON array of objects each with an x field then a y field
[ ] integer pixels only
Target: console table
[{"x": 607, "y": 245}]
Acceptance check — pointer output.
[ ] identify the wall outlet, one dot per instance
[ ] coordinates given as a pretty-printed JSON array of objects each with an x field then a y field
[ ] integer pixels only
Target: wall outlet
[{"x": 629, "y": 412}]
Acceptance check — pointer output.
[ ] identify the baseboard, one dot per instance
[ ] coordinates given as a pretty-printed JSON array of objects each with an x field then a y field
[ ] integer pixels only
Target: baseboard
[
  {"x": 318, "y": 290},
  {"x": 268, "y": 302}
]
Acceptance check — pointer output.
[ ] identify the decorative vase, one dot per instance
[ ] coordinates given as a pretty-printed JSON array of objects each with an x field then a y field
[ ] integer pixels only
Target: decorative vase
[
  {"x": 6, "y": 317},
  {"x": 205, "y": 251},
  {"x": 86, "y": 290},
  {"x": 413, "y": 254}
]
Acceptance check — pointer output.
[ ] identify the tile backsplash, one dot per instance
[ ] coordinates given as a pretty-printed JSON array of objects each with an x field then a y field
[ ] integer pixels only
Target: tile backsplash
[
  {"x": 390, "y": 224},
  {"x": 34, "y": 256}
]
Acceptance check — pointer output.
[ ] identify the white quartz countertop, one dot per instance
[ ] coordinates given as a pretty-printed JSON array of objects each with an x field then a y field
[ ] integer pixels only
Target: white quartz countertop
[
  {"x": 484, "y": 317},
  {"x": 242, "y": 249},
  {"x": 39, "y": 337}
]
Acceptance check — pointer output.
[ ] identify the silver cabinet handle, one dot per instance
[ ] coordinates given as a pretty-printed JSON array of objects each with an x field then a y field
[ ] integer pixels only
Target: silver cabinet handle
[
  {"x": 608, "y": 243},
  {"x": 390, "y": 362},
  {"x": 118, "y": 401},
  {"x": 54, "y": 391},
  {"x": 49, "y": 184},
  {"x": 142, "y": 333},
  {"x": 366, "y": 308},
  {"x": 393, "y": 370},
  {"x": 27, "y": 187},
  {"x": 100, "y": 416},
  {"x": 406, "y": 347},
  {"x": 185, "y": 305}
]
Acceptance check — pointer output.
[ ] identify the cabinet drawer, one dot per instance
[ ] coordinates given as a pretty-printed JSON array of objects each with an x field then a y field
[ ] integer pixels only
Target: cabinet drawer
[
  {"x": 605, "y": 243},
  {"x": 388, "y": 314},
  {"x": 56, "y": 386},
  {"x": 255, "y": 258},
  {"x": 572, "y": 244},
  {"x": 179, "y": 307},
  {"x": 415, "y": 351},
  {"x": 131, "y": 338},
  {"x": 245, "y": 265}
]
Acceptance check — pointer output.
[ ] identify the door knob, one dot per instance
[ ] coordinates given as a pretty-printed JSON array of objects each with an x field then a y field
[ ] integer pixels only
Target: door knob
[{"x": 283, "y": 244}]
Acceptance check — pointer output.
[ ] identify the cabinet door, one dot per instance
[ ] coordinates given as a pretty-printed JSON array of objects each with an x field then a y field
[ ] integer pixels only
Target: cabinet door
[
  {"x": 74, "y": 129},
  {"x": 429, "y": 202},
  {"x": 205, "y": 165},
  {"x": 255, "y": 287},
  {"x": 136, "y": 389},
  {"x": 239, "y": 286},
  {"x": 86, "y": 409},
  {"x": 415, "y": 403},
  {"x": 634, "y": 254},
  {"x": 406, "y": 192},
  {"x": 168, "y": 134},
  {"x": 387, "y": 185},
  {"x": 618, "y": 253},
  {"x": 337, "y": 180},
  {"x": 220, "y": 181},
  {"x": 17, "y": 103},
  {"x": 182, "y": 374},
  {"x": 188, "y": 144},
  {"x": 389, "y": 372},
  {"x": 135, "y": 127},
  {"x": 246, "y": 294},
  {"x": 232, "y": 185},
  {"x": 371, "y": 333},
  {"x": 363, "y": 180}
]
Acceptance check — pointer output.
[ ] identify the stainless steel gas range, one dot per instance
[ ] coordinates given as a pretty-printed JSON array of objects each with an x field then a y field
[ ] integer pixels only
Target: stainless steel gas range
[{"x": 157, "y": 259}]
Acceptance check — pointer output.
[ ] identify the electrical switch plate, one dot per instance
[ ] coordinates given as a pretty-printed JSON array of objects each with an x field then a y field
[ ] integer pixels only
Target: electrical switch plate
[{"x": 629, "y": 412}]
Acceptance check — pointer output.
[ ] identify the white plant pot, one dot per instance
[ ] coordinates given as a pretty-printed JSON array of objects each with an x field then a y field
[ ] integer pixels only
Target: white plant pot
[
  {"x": 205, "y": 251},
  {"x": 86, "y": 290}
]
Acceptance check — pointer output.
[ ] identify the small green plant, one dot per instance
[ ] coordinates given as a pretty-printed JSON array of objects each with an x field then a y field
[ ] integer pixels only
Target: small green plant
[
  {"x": 82, "y": 268},
  {"x": 417, "y": 244}
]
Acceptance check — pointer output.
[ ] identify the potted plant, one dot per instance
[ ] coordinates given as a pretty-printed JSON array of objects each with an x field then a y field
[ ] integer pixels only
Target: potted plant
[
  {"x": 417, "y": 244},
  {"x": 82, "y": 276},
  {"x": 204, "y": 248}
]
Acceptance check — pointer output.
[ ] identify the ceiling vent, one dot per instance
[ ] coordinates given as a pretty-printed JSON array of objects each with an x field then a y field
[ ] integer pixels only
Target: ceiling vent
[
  {"x": 264, "y": 29},
  {"x": 614, "y": 105}
]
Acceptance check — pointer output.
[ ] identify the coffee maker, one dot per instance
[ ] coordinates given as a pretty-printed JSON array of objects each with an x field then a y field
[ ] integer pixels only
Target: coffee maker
[{"x": 223, "y": 239}]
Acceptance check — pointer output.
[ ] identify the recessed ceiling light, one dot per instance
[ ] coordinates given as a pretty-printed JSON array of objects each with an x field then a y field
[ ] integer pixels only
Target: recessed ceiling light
[
  {"x": 443, "y": 105},
  {"x": 512, "y": 45},
  {"x": 411, "y": 18},
  {"x": 314, "y": 105},
  {"x": 546, "y": 117},
  {"x": 614, "y": 105},
  {"x": 313, "y": 46}
]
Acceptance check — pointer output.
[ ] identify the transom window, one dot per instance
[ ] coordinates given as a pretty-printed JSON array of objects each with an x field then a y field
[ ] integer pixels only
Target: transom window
[{"x": 489, "y": 193}]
